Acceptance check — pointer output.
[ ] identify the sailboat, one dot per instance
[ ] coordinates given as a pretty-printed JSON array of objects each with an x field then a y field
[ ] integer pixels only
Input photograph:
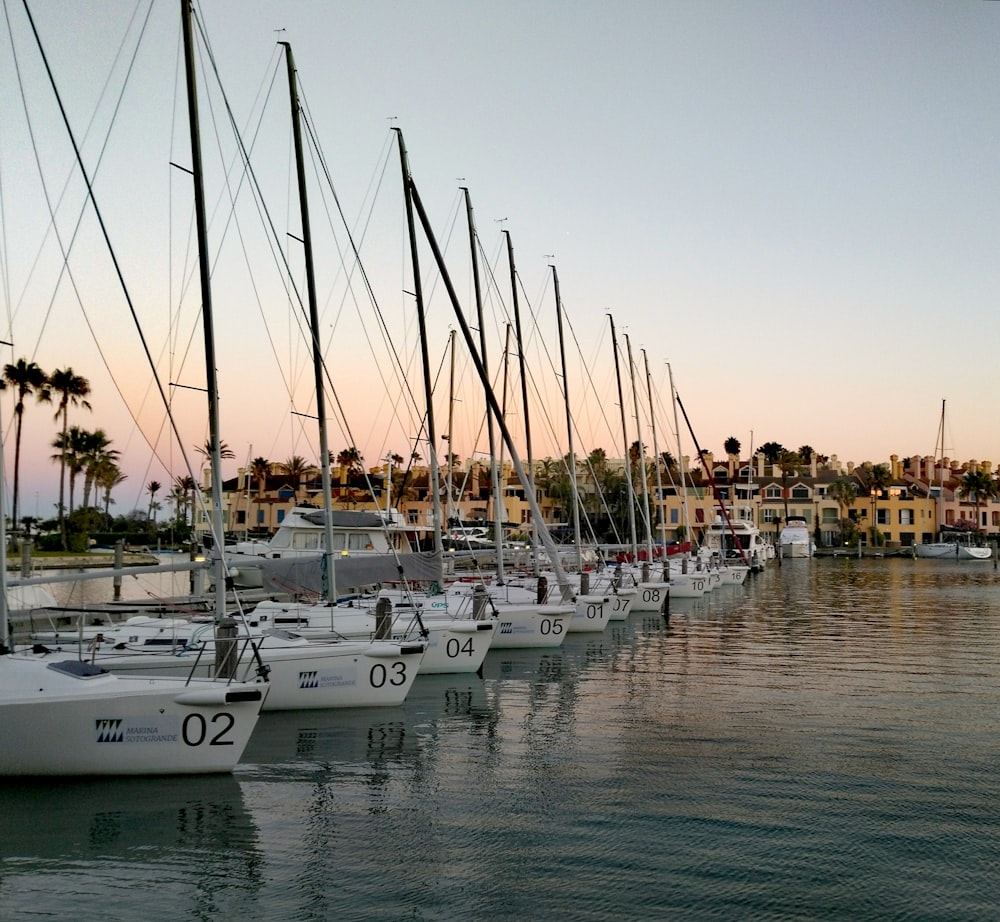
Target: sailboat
[
  {"x": 951, "y": 544},
  {"x": 64, "y": 716}
]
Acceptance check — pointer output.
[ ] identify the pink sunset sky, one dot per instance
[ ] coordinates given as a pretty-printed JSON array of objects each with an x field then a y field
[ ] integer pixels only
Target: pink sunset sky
[{"x": 794, "y": 204}]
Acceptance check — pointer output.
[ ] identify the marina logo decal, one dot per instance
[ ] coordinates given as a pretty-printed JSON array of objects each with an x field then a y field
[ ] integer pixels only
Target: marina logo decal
[
  {"x": 506, "y": 627},
  {"x": 309, "y": 679},
  {"x": 109, "y": 730}
]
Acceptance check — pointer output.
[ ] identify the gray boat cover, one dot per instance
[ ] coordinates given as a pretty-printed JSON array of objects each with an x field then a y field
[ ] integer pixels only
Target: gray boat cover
[{"x": 303, "y": 573}]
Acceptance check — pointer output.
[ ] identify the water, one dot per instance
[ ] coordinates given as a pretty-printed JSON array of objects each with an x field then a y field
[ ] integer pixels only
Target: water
[{"x": 819, "y": 744}]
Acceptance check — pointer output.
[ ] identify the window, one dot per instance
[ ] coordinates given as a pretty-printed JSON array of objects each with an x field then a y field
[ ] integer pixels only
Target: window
[
  {"x": 260, "y": 516},
  {"x": 800, "y": 492},
  {"x": 699, "y": 515},
  {"x": 882, "y": 516},
  {"x": 905, "y": 516},
  {"x": 773, "y": 492},
  {"x": 675, "y": 516},
  {"x": 769, "y": 514},
  {"x": 241, "y": 517},
  {"x": 281, "y": 516},
  {"x": 830, "y": 516}
]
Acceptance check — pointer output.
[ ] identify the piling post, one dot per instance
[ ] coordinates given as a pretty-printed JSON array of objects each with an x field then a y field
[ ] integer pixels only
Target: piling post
[
  {"x": 119, "y": 563},
  {"x": 383, "y": 618},
  {"x": 226, "y": 656},
  {"x": 478, "y": 603}
]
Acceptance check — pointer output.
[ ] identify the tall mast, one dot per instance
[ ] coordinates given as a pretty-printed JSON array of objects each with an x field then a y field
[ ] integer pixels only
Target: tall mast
[
  {"x": 329, "y": 580},
  {"x": 569, "y": 425},
  {"x": 204, "y": 270},
  {"x": 413, "y": 203},
  {"x": 680, "y": 457},
  {"x": 642, "y": 448},
  {"x": 494, "y": 474},
  {"x": 450, "y": 507},
  {"x": 424, "y": 357},
  {"x": 628, "y": 467},
  {"x": 656, "y": 451},
  {"x": 522, "y": 370}
]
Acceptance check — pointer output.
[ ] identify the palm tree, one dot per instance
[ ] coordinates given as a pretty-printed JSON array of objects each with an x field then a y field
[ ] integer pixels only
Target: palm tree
[
  {"x": 806, "y": 453},
  {"x": 225, "y": 452},
  {"x": 879, "y": 478},
  {"x": 27, "y": 379},
  {"x": 297, "y": 468},
  {"x": 94, "y": 449},
  {"x": 70, "y": 455},
  {"x": 186, "y": 486},
  {"x": 350, "y": 463},
  {"x": 259, "y": 469},
  {"x": 153, "y": 487},
  {"x": 107, "y": 476},
  {"x": 790, "y": 463},
  {"x": 980, "y": 487},
  {"x": 843, "y": 490},
  {"x": 771, "y": 451},
  {"x": 732, "y": 446},
  {"x": 72, "y": 389}
]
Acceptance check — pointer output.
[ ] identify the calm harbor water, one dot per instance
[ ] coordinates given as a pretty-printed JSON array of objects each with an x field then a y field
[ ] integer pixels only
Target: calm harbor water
[{"x": 819, "y": 744}]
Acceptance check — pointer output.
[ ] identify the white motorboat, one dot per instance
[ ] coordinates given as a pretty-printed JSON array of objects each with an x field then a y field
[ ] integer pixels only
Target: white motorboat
[
  {"x": 738, "y": 538},
  {"x": 357, "y": 533},
  {"x": 794, "y": 540}
]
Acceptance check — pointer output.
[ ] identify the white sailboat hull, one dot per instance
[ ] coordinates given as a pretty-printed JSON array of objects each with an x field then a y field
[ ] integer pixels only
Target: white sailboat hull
[
  {"x": 301, "y": 674},
  {"x": 55, "y": 723},
  {"x": 952, "y": 550}
]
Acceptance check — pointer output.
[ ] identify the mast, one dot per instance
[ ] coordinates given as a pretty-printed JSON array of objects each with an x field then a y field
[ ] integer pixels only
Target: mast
[
  {"x": 628, "y": 467},
  {"x": 424, "y": 357},
  {"x": 569, "y": 424},
  {"x": 522, "y": 370},
  {"x": 450, "y": 506},
  {"x": 413, "y": 202},
  {"x": 711, "y": 480},
  {"x": 494, "y": 475},
  {"x": 656, "y": 451},
  {"x": 204, "y": 271},
  {"x": 939, "y": 499},
  {"x": 329, "y": 580},
  {"x": 642, "y": 449},
  {"x": 680, "y": 457}
]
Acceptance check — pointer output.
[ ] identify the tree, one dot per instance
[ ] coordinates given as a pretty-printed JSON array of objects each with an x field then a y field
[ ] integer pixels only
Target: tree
[
  {"x": 790, "y": 464},
  {"x": 771, "y": 451},
  {"x": 297, "y": 468},
  {"x": 732, "y": 446},
  {"x": 259, "y": 469},
  {"x": 153, "y": 487},
  {"x": 107, "y": 476},
  {"x": 28, "y": 380},
  {"x": 95, "y": 448},
  {"x": 225, "y": 452},
  {"x": 879, "y": 478},
  {"x": 806, "y": 453},
  {"x": 350, "y": 462},
  {"x": 186, "y": 486},
  {"x": 843, "y": 490},
  {"x": 72, "y": 389},
  {"x": 978, "y": 486}
]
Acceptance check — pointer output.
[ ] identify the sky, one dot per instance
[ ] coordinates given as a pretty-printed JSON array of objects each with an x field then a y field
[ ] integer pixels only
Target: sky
[{"x": 790, "y": 206}]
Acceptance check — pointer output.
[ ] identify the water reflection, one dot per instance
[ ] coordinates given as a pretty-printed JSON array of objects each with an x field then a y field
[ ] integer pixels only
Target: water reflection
[{"x": 190, "y": 841}]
